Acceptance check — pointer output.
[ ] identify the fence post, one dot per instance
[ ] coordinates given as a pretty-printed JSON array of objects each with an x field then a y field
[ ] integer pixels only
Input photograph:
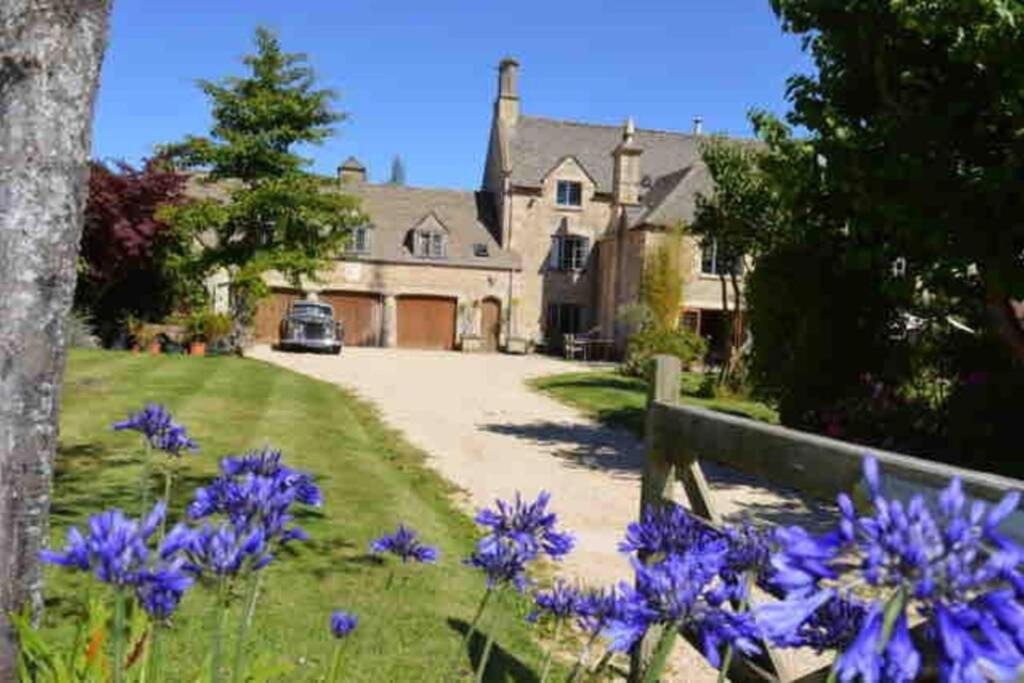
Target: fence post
[{"x": 657, "y": 481}]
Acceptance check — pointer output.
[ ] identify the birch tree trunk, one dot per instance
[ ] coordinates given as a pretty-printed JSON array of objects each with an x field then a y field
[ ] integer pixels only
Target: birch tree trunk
[{"x": 50, "y": 55}]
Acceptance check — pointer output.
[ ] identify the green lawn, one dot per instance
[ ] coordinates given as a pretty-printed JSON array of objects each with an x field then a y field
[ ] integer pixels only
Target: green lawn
[
  {"x": 620, "y": 401},
  {"x": 371, "y": 480}
]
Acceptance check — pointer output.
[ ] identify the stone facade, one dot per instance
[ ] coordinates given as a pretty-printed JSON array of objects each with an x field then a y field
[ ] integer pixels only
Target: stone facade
[{"x": 559, "y": 234}]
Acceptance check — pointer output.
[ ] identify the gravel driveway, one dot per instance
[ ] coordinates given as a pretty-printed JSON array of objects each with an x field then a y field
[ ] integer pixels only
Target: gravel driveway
[{"x": 488, "y": 433}]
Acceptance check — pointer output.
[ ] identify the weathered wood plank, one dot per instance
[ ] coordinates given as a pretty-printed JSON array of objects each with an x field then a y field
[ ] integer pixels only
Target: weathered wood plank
[{"x": 812, "y": 464}]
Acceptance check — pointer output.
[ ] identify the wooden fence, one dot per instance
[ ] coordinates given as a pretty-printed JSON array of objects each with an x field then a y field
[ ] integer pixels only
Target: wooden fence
[{"x": 678, "y": 438}]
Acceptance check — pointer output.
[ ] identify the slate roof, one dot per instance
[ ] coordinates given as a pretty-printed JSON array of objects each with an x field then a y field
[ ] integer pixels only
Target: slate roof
[
  {"x": 537, "y": 144},
  {"x": 673, "y": 197},
  {"x": 468, "y": 218}
]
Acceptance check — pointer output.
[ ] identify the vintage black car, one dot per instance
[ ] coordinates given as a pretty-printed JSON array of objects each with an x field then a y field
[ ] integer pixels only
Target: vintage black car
[{"x": 310, "y": 326}]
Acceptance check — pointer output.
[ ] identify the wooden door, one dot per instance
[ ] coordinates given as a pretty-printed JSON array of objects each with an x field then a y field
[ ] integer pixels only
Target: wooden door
[
  {"x": 270, "y": 310},
  {"x": 490, "y": 323},
  {"x": 359, "y": 313},
  {"x": 426, "y": 322}
]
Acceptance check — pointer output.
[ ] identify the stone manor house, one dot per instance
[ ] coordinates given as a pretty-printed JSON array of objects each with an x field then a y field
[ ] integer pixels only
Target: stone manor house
[{"x": 554, "y": 242}]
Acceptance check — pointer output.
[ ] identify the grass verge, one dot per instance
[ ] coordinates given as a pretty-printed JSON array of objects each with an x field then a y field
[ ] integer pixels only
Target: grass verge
[
  {"x": 620, "y": 401},
  {"x": 372, "y": 479}
]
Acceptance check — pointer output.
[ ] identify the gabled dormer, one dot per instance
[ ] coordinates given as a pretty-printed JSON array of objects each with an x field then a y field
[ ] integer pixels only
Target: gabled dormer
[
  {"x": 428, "y": 238},
  {"x": 568, "y": 186}
]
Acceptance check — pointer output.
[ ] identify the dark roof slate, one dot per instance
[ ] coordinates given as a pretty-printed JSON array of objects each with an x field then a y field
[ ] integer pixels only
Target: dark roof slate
[
  {"x": 468, "y": 217},
  {"x": 537, "y": 144}
]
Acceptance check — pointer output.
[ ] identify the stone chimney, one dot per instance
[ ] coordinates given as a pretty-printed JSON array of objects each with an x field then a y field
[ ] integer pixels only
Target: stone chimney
[
  {"x": 626, "y": 178},
  {"x": 352, "y": 171},
  {"x": 507, "y": 104}
]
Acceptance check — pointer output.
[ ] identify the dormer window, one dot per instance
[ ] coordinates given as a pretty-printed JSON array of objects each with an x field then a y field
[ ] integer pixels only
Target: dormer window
[
  {"x": 568, "y": 193},
  {"x": 358, "y": 241},
  {"x": 569, "y": 253},
  {"x": 430, "y": 244}
]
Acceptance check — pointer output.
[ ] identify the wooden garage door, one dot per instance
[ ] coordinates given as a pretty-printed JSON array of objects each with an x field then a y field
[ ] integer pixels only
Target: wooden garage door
[
  {"x": 269, "y": 312},
  {"x": 426, "y": 322},
  {"x": 360, "y": 314}
]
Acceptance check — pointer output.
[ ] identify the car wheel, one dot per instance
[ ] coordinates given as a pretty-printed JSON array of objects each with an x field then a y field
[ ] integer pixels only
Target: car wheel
[{"x": 336, "y": 351}]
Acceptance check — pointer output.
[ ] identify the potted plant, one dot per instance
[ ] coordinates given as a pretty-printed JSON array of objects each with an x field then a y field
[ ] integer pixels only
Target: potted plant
[
  {"x": 134, "y": 327},
  {"x": 205, "y": 328},
  {"x": 217, "y": 326}
]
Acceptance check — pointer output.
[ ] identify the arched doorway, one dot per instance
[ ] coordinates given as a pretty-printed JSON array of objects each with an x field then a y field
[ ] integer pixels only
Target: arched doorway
[{"x": 490, "y": 323}]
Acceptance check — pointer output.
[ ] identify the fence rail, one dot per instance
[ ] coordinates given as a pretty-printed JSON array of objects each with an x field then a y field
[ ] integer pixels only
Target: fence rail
[{"x": 678, "y": 438}]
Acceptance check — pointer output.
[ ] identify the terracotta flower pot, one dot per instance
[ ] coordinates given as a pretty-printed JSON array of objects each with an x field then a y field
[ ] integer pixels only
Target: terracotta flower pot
[
  {"x": 154, "y": 348},
  {"x": 197, "y": 348}
]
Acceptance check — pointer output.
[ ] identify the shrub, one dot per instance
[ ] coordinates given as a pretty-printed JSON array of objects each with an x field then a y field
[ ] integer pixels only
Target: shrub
[
  {"x": 80, "y": 332},
  {"x": 647, "y": 343}
]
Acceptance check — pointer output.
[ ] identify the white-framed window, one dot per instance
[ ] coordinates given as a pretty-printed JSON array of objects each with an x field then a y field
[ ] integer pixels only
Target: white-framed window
[
  {"x": 358, "y": 241},
  {"x": 569, "y": 252},
  {"x": 714, "y": 262},
  {"x": 568, "y": 193},
  {"x": 430, "y": 244}
]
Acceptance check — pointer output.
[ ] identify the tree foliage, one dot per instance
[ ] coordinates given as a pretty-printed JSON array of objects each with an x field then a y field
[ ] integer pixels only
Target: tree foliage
[
  {"x": 661, "y": 288},
  {"x": 916, "y": 109},
  {"x": 263, "y": 211},
  {"x": 397, "y": 176},
  {"x": 124, "y": 241}
]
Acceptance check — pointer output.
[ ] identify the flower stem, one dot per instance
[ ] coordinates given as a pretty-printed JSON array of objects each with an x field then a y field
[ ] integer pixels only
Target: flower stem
[
  {"x": 118, "y": 644},
  {"x": 661, "y": 653},
  {"x": 602, "y": 664},
  {"x": 581, "y": 661},
  {"x": 550, "y": 650},
  {"x": 155, "y": 655},
  {"x": 472, "y": 627},
  {"x": 335, "y": 673},
  {"x": 486, "y": 654},
  {"x": 217, "y": 629},
  {"x": 168, "y": 476},
  {"x": 144, "y": 482},
  {"x": 244, "y": 622},
  {"x": 726, "y": 661}
]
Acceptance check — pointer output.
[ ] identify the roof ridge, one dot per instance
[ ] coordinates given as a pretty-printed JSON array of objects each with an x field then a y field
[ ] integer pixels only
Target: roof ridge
[
  {"x": 585, "y": 124},
  {"x": 416, "y": 188}
]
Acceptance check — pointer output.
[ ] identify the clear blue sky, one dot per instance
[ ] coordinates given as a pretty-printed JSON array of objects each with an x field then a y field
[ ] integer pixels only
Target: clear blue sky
[{"x": 418, "y": 77}]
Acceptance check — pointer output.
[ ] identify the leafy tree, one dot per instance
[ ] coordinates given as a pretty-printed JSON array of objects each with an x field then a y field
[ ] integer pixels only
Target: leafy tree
[
  {"x": 121, "y": 266},
  {"x": 397, "y": 172},
  {"x": 739, "y": 216},
  {"x": 263, "y": 211},
  {"x": 916, "y": 110},
  {"x": 50, "y": 56},
  {"x": 661, "y": 289}
]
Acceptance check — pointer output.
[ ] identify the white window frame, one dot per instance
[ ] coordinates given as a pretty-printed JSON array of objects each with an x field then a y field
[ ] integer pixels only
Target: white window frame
[
  {"x": 353, "y": 246},
  {"x": 430, "y": 244},
  {"x": 569, "y": 185},
  {"x": 569, "y": 253}
]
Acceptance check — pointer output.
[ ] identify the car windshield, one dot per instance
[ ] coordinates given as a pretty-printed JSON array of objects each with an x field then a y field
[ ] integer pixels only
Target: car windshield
[{"x": 311, "y": 309}]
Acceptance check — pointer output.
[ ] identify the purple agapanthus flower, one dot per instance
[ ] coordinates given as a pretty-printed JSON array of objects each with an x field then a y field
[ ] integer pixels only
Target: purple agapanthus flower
[
  {"x": 404, "y": 545},
  {"x": 683, "y": 591},
  {"x": 561, "y": 601},
  {"x": 948, "y": 562},
  {"x": 117, "y": 551},
  {"x": 502, "y": 560},
  {"x": 343, "y": 623},
  {"x": 663, "y": 531},
  {"x": 256, "y": 490},
  {"x": 595, "y": 607},
  {"x": 220, "y": 550},
  {"x": 159, "y": 430},
  {"x": 529, "y": 524},
  {"x": 161, "y": 590}
]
